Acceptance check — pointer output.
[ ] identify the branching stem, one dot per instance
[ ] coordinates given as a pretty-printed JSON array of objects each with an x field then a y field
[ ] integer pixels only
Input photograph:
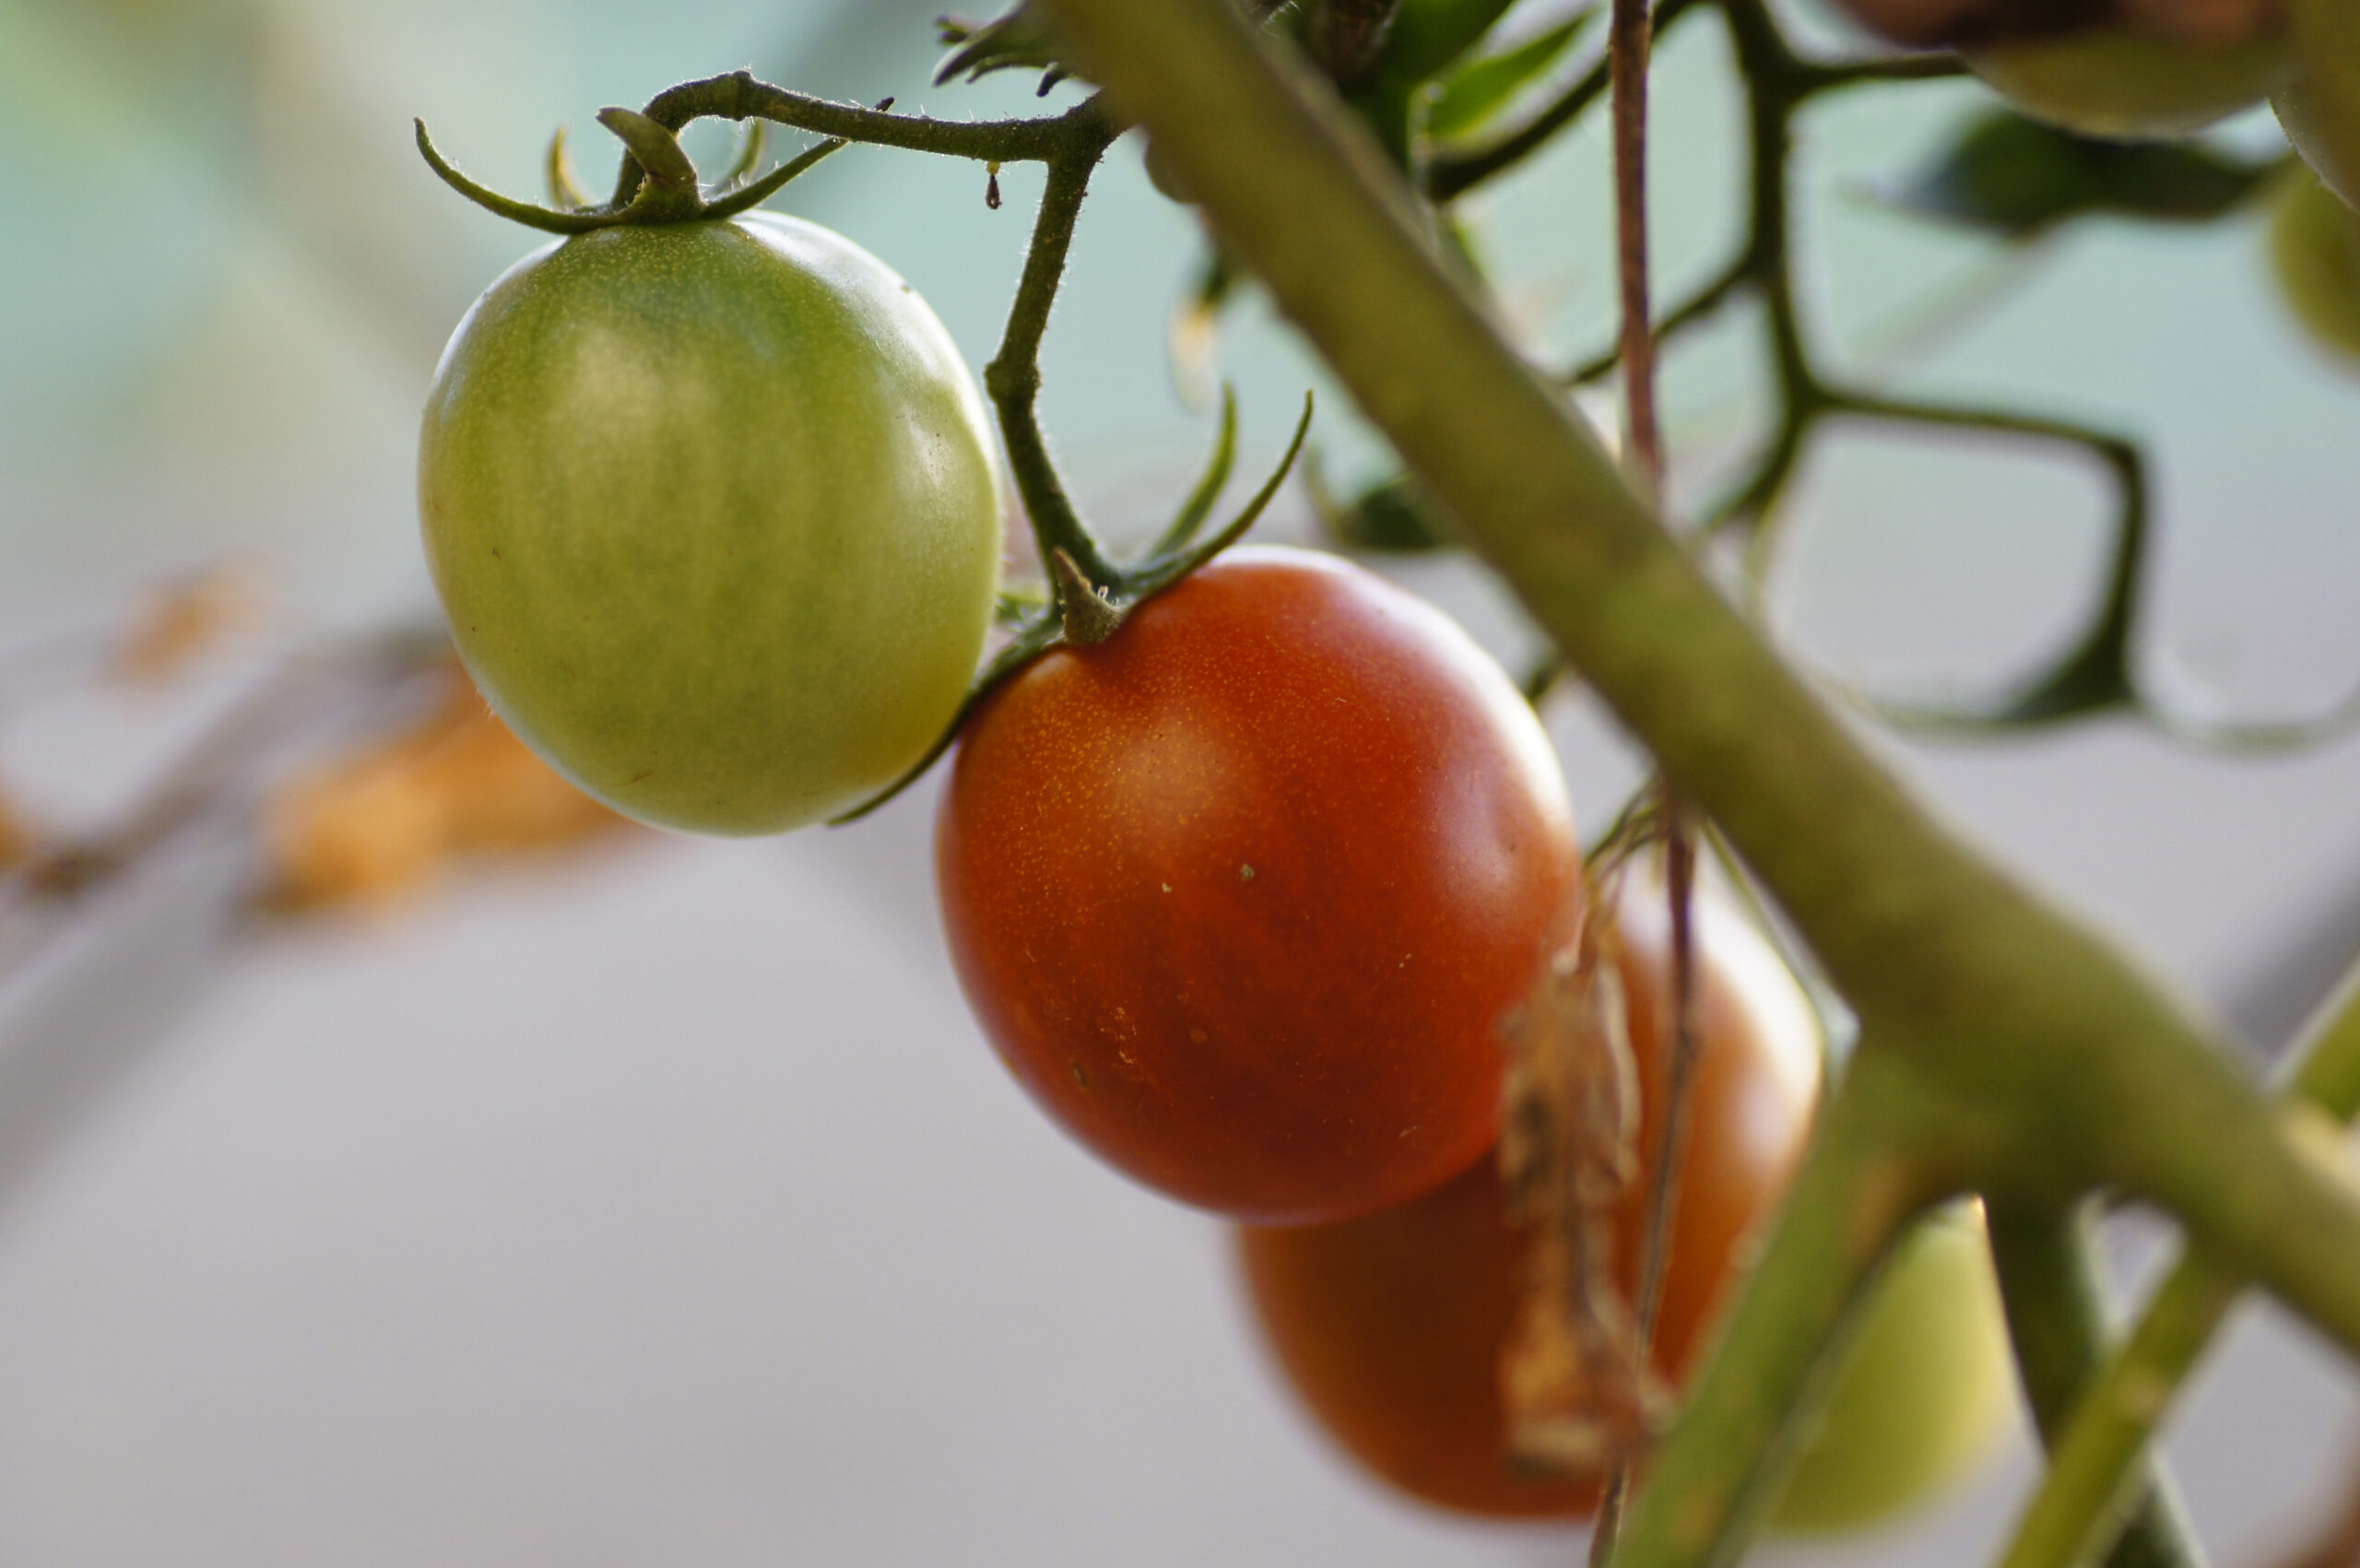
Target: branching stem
[
  {"x": 1628, "y": 48},
  {"x": 2096, "y": 1462},
  {"x": 1013, "y": 378},
  {"x": 2050, "y": 1282},
  {"x": 741, "y": 95}
]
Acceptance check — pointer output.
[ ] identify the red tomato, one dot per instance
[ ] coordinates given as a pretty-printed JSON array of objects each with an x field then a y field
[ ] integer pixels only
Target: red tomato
[
  {"x": 1241, "y": 895},
  {"x": 1391, "y": 1326}
]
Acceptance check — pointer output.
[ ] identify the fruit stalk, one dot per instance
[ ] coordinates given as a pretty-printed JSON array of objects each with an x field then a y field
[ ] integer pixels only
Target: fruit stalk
[{"x": 1013, "y": 378}]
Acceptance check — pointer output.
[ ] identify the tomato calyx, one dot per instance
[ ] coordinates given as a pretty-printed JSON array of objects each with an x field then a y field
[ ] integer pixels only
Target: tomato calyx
[
  {"x": 669, "y": 191},
  {"x": 1080, "y": 612},
  {"x": 1087, "y": 614},
  {"x": 1015, "y": 39}
]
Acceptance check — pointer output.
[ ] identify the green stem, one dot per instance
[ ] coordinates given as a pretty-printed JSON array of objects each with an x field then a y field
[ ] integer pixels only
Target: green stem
[
  {"x": 2095, "y": 1470},
  {"x": 742, "y": 96},
  {"x": 1013, "y": 378},
  {"x": 2094, "y": 1465},
  {"x": 2055, "y": 1300}
]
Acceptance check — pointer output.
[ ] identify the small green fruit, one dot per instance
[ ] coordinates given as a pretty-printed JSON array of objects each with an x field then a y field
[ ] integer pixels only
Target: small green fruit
[
  {"x": 1924, "y": 1390},
  {"x": 2127, "y": 86},
  {"x": 2319, "y": 105},
  {"x": 2315, "y": 249},
  {"x": 713, "y": 513}
]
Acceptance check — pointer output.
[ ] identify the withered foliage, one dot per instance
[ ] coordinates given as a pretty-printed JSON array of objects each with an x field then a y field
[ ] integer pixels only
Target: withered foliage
[
  {"x": 383, "y": 823},
  {"x": 1575, "y": 1384}
]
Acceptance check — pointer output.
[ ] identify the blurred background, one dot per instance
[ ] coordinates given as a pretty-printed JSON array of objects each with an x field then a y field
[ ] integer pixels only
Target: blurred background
[{"x": 656, "y": 1202}]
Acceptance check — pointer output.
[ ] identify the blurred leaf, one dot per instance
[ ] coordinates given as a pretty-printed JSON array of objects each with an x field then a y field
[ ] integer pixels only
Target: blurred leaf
[
  {"x": 1194, "y": 334},
  {"x": 1469, "y": 95},
  {"x": 1017, "y": 40},
  {"x": 2016, "y": 177},
  {"x": 379, "y": 824},
  {"x": 1427, "y": 36},
  {"x": 1393, "y": 517}
]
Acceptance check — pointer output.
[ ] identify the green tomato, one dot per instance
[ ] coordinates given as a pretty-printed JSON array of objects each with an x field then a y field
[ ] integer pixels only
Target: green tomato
[
  {"x": 712, "y": 510},
  {"x": 2319, "y": 105},
  {"x": 2126, "y": 86},
  {"x": 2315, "y": 249},
  {"x": 1924, "y": 1390}
]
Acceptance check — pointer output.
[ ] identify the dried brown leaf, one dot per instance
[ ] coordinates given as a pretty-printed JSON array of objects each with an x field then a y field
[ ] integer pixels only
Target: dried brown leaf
[
  {"x": 187, "y": 619},
  {"x": 383, "y": 823}
]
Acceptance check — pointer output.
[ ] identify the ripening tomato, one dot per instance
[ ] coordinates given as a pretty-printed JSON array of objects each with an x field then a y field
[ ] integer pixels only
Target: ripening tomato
[
  {"x": 2122, "y": 85},
  {"x": 1241, "y": 895},
  {"x": 713, "y": 510},
  {"x": 1391, "y": 1327}
]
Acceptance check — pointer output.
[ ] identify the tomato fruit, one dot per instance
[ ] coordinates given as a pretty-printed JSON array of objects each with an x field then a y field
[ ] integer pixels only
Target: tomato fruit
[
  {"x": 1241, "y": 895},
  {"x": 1913, "y": 24},
  {"x": 1391, "y": 1327},
  {"x": 2319, "y": 104},
  {"x": 2127, "y": 86},
  {"x": 1925, "y": 1388},
  {"x": 713, "y": 510},
  {"x": 2315, "y": 249}
]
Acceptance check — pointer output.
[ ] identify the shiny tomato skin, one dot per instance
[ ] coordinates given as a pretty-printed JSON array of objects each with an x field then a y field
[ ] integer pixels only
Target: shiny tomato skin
[
  {"x": 1241, "y": 895},
  {"x": 1391, "y": 1327}
]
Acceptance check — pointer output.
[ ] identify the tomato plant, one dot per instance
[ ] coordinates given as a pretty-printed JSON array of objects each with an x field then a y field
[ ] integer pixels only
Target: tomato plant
[
  {"x": 713, "y": 512},
  {"x": 1241, "y": 893},
  {"x": 1391, "y": 1326},
  {"x": 1243, "y": 876}
]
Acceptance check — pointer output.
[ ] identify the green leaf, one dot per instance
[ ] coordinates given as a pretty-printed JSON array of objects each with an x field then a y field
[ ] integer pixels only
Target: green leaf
[
  {"x": 1428, "y": 34},
  {"x": 1469, "y": 95},
  {"x": 2017, "y": 178},
  {"x": 1393, "y": 517},
  {"x": 1426, "y": 37}
]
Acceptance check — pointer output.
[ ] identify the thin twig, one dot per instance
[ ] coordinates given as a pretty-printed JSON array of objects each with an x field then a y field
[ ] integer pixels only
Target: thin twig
[
  {"x": 1627, "y": 50},
  {"x": 1448, "y": 178},
  {"x": 1013, "y": 378},
  {"x": 741, "y": 96}
]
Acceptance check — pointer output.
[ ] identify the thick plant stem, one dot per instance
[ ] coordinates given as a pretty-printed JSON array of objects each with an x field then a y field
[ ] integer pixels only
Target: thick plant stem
[
  {"x": 2049, "y": 1284},
  {"x": 1013, "y": 378},
  {"x": 2096, "y": 1461},
  {"x": 2057, "y": 1065}
]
